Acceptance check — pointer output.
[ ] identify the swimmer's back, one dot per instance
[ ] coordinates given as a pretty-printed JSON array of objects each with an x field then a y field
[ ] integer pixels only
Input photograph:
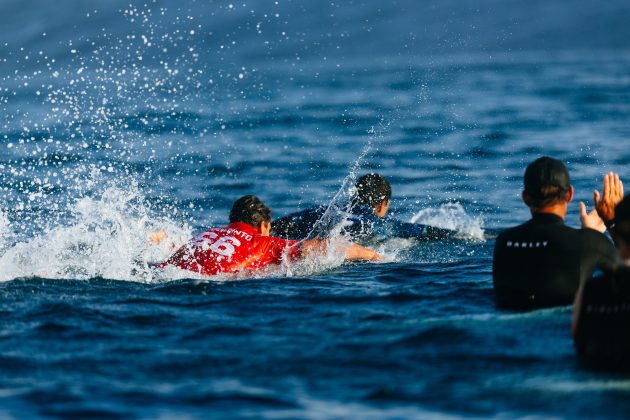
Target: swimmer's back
[
  {"x": 360, "y": 223},
  {"x": 297, "y": 225}
]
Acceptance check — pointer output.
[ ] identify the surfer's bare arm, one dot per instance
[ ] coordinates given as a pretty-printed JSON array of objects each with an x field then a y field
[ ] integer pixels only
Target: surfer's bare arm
[
  {"x": 352, "y": 251},
  {"x": 358, "y": 252},
  {"x": 313, "y": 246}
]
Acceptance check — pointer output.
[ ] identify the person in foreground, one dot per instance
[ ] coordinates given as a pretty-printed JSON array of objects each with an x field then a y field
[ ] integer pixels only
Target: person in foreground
[
  {"x": 601, "y": 313},
  {"x": 542, "y": 262},
  {"x": 245, "y": 244},
  {"x": 364, "y": 221}
]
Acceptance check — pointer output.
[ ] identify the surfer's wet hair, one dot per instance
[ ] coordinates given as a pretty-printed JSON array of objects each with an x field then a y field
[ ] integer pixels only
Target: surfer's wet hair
[
  {"x": 372, "y": 190},
  {"x": 251, "y": 210}
]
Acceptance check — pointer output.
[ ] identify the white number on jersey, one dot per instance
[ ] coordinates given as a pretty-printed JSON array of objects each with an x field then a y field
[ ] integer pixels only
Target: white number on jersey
[{"x": 225, "y": 246}]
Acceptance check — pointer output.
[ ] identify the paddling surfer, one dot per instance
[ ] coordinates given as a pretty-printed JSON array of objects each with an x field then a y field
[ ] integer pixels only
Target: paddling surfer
[
  {"x": 245, "y": 244},
  {"x": 365, "y": 219}
]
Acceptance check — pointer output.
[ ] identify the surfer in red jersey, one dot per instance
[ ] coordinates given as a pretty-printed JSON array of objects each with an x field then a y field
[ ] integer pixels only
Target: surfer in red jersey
[{"x": 245, "y": 244}]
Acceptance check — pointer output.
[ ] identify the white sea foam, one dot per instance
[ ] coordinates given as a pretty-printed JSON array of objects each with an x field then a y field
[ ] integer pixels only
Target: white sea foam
[
  {"x": 452, "y": 216},
  {"x": 107, "y": 238},
  {"x": 5, "y": 232}
]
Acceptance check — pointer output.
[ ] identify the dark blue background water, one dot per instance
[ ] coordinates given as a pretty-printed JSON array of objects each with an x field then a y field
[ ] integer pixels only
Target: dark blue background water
[{"x": 119, "y": 119}]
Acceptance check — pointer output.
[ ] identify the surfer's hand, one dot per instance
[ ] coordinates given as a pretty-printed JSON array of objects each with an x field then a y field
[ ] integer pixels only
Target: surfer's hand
[
  {"x": 612, "y": 194},
  {"x": 352, "y": 251},
  {"x": 358, "y": 252},
  {"x": 155, "y": 238},
  {"x": 591, "y": 219}
]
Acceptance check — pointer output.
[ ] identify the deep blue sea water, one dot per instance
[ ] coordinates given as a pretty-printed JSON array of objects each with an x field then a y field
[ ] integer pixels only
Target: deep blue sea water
[{"x": 118, "y": 119}]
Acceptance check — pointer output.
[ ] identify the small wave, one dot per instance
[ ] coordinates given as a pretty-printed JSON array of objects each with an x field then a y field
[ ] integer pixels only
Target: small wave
[
  {"x": 498, "y": 317},
  {"x": 446, "y": 335},
  {"x": 452, "y": 216},
  {"x": 316, "y": 408},
  {"x": 571, "y": 387}
]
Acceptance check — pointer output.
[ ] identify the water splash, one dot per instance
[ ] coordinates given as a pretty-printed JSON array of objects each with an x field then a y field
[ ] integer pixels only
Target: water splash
[
  {"x": 107, "y": 238},
  {"x": 5, "y": 232},
  {"x": 452, "y": 216},
  {"x": 332, "y": 221}
]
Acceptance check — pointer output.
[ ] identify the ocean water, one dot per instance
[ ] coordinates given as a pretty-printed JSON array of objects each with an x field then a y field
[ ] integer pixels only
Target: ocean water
[{"x": 119, "y": 118}]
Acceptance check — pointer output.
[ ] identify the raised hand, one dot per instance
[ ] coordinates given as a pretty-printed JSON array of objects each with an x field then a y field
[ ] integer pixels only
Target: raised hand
[
  {"x": 591, "y": 219},
  {"x": 155, "y": 238},
  {"x": 612, "y": 194}
]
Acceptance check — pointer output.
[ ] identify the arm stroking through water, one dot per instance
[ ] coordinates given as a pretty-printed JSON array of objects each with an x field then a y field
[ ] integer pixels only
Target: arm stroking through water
[{"x": 352, "y": 251}]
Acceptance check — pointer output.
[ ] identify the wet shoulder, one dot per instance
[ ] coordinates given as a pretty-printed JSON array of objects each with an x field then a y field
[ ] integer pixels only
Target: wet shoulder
[
  {"x": 298, "y": 224},
  {"x": 364, "y": 213},
  {"x": 592, "y": 235},
  {"x": 594, "y": 241}
]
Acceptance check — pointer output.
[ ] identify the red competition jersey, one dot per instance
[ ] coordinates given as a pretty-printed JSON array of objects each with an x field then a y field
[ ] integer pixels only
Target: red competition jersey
[{"x": 237, "y": 247}]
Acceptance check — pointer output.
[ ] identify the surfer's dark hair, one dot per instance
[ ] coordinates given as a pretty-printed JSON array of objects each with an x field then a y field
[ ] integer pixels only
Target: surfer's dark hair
[
  {"x": 546, "y": 182},
  {"x": 372, "y": 190},
  {"x": 251, "y": 210}
]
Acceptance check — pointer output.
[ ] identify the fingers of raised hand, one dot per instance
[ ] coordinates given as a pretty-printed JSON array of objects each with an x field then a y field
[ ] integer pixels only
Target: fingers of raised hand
[
  {"x": 601, "y": 206},
  {"x": 618, "y": 187},
  {"x": 607, "y": 187},
  {"x": 582, "y": 210}
]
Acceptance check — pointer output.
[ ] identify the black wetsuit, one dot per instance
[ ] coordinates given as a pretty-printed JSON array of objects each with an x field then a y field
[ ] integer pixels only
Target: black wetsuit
[
  {"x": 602, "y": 336},
  {"x": 542, "y": 262},
  {"x": 360, "y": 223}
]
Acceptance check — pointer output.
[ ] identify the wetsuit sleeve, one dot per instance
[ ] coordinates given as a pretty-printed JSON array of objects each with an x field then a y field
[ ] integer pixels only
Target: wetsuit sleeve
[
  {"x": 395, "y": 228},
  {"x": 285, "y": 226},
  {"x": 597, "y": 252}
]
